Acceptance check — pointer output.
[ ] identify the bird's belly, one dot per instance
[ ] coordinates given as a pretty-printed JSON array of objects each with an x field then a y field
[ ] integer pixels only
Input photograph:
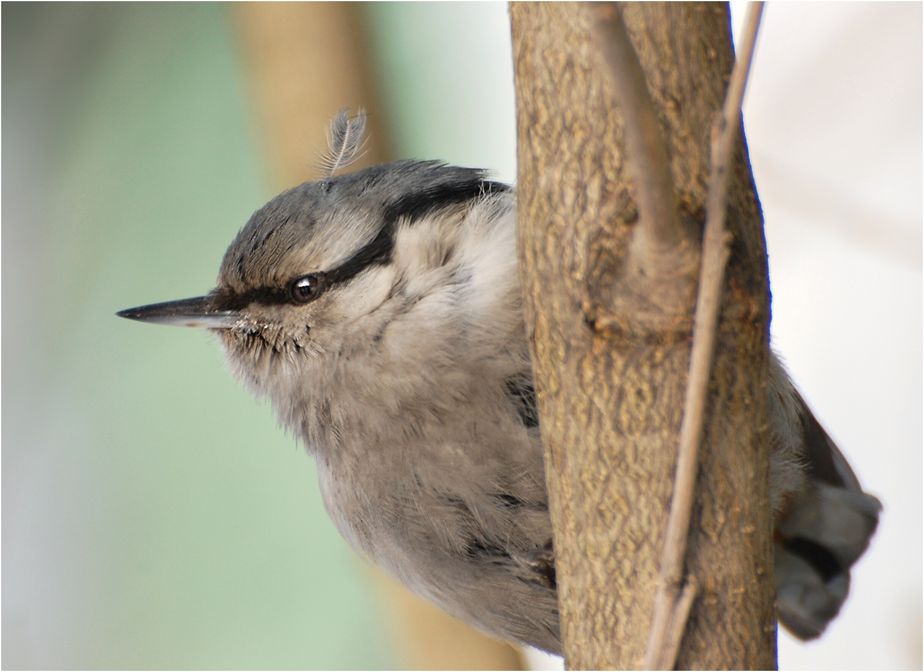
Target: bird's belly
[{"x": 436, "y": 545}]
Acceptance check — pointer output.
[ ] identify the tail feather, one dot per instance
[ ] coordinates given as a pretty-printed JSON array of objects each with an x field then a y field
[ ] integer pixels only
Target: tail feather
[
  {"x": 821, "y": 535},
  {"x": 839, "y": 520},
  {"x": 805, "y": 602}
]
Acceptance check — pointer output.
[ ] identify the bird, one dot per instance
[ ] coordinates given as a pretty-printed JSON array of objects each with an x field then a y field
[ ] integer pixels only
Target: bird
[{"x": 379, "y": 311}]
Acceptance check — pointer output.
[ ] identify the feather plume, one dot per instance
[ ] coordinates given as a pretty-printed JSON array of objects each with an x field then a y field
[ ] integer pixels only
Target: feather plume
[{"x": 345, "y": 140}]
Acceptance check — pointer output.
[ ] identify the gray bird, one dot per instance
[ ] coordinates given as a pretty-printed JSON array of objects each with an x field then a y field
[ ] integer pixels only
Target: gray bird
[{"x": 380, "y": 314}]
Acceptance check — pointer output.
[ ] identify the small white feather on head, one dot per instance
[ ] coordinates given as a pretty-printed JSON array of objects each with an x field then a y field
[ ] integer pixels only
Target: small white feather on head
[{"x": 345, "y": 140}]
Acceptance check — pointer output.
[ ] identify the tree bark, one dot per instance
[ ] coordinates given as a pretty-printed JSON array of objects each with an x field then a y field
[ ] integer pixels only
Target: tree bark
[{"x": 611, "y": 346}]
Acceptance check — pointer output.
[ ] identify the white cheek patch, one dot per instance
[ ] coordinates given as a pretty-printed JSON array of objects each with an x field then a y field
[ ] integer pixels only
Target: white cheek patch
[
  {"x": 426, "y": 250},
  {"x": 420, "y": 245},
  {"x": 364, "y": 293},
  {"x": 488, "y": 249}
]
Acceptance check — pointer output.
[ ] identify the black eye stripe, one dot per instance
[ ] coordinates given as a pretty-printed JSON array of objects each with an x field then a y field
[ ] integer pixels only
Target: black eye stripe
[
  {"x": 417, "y": 205},
  {"x": 411, "y": 207},
  {"x": 377, "y": 251}
]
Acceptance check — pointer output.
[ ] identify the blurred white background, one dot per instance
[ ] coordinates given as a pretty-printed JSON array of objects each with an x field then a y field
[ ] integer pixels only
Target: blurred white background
[{"x": 833, "y": 117}]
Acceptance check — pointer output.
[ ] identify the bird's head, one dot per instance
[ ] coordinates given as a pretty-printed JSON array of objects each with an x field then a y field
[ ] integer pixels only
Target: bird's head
[{"x": 323, "y": 267}]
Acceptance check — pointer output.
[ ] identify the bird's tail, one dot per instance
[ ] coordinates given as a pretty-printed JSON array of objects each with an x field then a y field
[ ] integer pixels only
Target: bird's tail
[{"x": 822, "y": 533}]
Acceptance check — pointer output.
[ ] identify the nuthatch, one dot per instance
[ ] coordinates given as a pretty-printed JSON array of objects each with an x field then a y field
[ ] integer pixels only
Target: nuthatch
[{"x": 380, "y": 313}]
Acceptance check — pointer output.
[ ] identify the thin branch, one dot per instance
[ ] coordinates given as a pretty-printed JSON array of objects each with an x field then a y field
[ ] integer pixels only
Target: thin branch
[
  {"x": 678, "y": 624},
  {"x": 715, "y": 256},
  {"x": 647, "y": 151}
]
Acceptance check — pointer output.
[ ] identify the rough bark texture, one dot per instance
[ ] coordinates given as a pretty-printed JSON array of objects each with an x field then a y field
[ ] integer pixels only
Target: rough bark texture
[{"x": 611, "y": 356}]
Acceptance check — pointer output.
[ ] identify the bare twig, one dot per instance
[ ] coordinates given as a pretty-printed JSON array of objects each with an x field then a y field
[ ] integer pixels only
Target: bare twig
[
  {"x": 648, "y": 157},
  {"x": 715, "y": 255},
  {"x": 678, "y": 624}
]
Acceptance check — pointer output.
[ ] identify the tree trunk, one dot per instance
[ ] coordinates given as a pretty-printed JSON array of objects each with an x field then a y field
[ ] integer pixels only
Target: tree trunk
[{"x": 611, "y": 363}]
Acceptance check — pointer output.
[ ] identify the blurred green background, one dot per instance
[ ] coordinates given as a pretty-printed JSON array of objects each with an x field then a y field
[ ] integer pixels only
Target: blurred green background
[{"x": 154, "y": 516}]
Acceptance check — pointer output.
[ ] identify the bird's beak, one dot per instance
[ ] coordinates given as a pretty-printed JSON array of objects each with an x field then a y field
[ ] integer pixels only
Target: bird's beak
[{"x": 200, "y": 312}]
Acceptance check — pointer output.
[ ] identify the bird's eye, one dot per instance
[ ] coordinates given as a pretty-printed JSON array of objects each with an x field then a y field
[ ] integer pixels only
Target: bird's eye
[{"x": 306, "y": 288}]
